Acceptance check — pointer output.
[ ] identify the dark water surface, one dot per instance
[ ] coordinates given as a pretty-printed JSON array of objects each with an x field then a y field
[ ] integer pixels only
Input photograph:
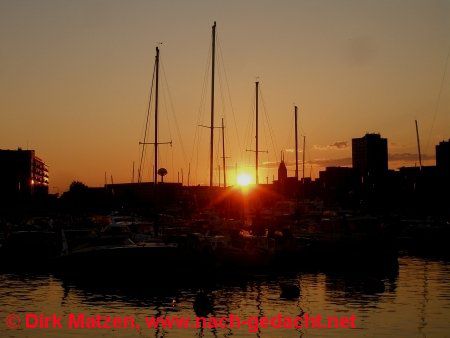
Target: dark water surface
[{"x": 412, "y": 300}]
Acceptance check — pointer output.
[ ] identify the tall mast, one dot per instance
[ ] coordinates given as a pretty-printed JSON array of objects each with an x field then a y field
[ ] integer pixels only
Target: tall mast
[
  {"x": 218, "y": 167},
  {"x": 155, "y": 173},
  {"x": 211, "y": 145},
  {"x": 257, "y": 135},
  {"x": 296, "y": 146},
  {"x": 223, "y": 157},
  {"x": 155, "y": 143},
  {"x": 418, "y": 145},
  {"x": 257, "y": 151},
  {"x": 189, "y": 174},
  {"x": 303, "y": 164}
]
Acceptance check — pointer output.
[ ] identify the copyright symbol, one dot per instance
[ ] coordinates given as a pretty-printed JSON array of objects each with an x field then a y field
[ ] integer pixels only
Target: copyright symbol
[{"x": 12, "y": 321}]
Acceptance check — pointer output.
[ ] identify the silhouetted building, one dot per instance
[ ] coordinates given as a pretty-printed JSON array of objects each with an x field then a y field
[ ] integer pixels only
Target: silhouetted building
[
  {"x": 335, "y": 176},
  {"x": 337, "y": 183},
  {"x": 287, "y": 186},
  {"x": 22, "y": 173},
  {"x": 282, "y": 171},
  {"x": 370, "y": 155},
  {"x": 416, "y": 179},
  {"x": 443, "y": 157}
]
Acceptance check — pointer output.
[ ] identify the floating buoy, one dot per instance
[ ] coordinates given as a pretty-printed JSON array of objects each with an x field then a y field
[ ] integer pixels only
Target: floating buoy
[
  {"x": 202, "y": 305},
  {"x": 289, "y": 291}
]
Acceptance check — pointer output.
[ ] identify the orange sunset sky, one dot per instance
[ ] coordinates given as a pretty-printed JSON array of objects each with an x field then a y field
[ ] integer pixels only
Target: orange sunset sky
[{"x": 75, "y": 79}]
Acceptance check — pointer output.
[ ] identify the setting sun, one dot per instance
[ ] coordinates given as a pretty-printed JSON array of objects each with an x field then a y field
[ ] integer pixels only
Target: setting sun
[{"x": 243, "y": 180}]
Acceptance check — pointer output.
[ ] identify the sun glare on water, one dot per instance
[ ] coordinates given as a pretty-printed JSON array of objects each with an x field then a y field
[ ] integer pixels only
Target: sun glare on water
[{"x": 243, "y": 180}]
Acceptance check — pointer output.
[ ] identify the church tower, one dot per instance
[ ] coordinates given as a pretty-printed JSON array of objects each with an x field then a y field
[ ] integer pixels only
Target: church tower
[{"x": 282, "y": 170}]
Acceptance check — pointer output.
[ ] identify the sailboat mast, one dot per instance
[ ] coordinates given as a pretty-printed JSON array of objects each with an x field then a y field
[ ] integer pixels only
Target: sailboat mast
[
  {"x": 296, "y": 145},
  {"x": 257, "y": 135},
  {"x": 189, "y": 174},
  {"x": 303, "y": 164},
  {"x": 155, "y": 173},
  {"x": 211, "y": 146},
  {"x": 223, "y": 157},
  {"x": 256, "y": 150},
  {"x": 156, "y": 143},
  {"x": 218, "y": 167},
  {"x": 418, "y": 145}
]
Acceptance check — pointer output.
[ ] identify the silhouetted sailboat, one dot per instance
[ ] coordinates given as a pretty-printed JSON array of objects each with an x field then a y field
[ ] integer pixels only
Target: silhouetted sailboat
[
  {"x": 112, "y": 250},
  {"x": 156, "y": 142}
]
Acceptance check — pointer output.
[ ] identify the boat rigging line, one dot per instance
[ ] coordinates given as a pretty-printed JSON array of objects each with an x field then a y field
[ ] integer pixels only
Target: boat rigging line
[
  {"x": 172, "y": 110},
  {"x": 156, "y": 142},
  {"x": 438, "y": 100},
  {"x": 222, "y": 63},
  {"x": 143, "y": 143},
  {"x": 197, "y": 135}
]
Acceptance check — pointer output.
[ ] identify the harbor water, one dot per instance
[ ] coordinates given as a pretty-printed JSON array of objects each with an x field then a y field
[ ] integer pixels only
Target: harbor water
[{"x": 412, "y": 300}]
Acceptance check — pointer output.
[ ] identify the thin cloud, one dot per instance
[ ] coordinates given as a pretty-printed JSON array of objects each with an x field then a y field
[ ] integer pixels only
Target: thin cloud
[
  {"x": 291, "y": 150},
  {"x": 332, "y": 162},
  {"x": 347, "y": 161},
  {"x": 269, "y": 165},
  {"x": 335, "y": 145},
  {"x": 408, "y": 157},
  {"x": 395, "y": 145},
  {"x": 336, "y": 162}
]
